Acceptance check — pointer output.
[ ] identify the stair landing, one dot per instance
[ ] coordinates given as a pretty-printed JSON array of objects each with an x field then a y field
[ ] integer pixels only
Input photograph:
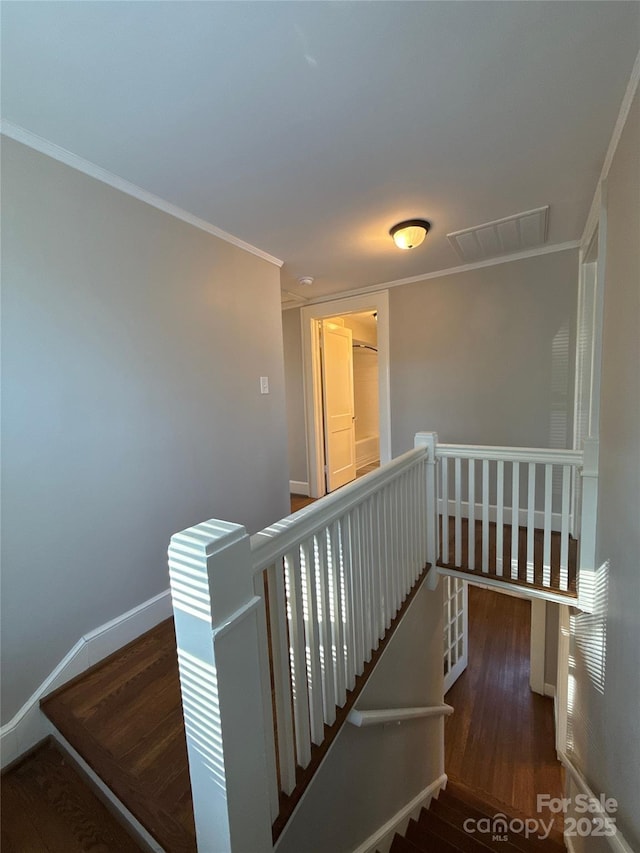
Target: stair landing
[
  {"x": 124, "y": 717},
  {"x": 47, "y": 808}
]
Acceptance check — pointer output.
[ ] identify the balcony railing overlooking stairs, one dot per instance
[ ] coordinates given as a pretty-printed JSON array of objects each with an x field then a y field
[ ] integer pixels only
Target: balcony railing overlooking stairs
[
  {"x": 515, "y": 516},
  {"x": 274, "y": 630}
]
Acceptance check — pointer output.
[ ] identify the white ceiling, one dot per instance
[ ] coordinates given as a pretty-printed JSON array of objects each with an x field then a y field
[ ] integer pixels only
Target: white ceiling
[{"x": 309, "y": 128}]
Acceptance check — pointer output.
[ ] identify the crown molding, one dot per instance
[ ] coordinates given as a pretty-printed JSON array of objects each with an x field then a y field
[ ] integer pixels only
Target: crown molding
[
  {"x": 38, "y": 143},
  {"x": 414, "y": 279},
  {"x": 623, "y": 114}
]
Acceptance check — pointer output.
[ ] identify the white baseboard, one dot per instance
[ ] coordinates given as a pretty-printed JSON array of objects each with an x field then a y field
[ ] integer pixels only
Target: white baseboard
[
  {"x": 568, "y": 840},
  {"x": 297, "y": 487},
  {"x": 30, "y": 725},
  {"x": 538, "y": 517},
  {"x": 382, "y": 838}
]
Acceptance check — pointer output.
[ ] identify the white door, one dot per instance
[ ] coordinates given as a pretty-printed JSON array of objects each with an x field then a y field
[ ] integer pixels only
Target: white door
[
  {"x": 456, "y": 629},
  {"x": 337, "y": 400}
]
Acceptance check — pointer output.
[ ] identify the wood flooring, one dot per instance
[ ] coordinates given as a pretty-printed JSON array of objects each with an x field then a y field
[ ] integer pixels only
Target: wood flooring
[
  {"x": 500, "y": 739},
  {"x": 124, "y": 717},
  {"x": 47, "y": 807},
  {"x": 538, "y": 541}
]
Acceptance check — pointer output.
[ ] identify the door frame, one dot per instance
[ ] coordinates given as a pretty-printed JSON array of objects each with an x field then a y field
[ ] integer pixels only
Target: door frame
[{"x": 312, "y": 384}]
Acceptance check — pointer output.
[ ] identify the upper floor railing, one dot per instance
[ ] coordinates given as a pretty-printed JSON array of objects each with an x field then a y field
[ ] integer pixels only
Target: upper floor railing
[
  {"x": 273, "y": 630},
  {"x": 516, "y": 515}
]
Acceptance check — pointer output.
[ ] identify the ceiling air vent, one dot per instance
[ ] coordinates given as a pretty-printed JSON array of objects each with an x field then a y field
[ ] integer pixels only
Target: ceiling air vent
[{"x": 502, "y": 236}]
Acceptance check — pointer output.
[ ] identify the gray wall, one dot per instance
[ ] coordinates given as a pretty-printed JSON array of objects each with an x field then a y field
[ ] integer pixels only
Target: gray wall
[
  {"x": 485, "y": 356},
  {"x": 606, "y": 725},
  {"x": 371, "y": 773},
  {"x": 292, "y": 334},
  {"x": 133, "y": 344},
  {"x": 482, "y": 357}
]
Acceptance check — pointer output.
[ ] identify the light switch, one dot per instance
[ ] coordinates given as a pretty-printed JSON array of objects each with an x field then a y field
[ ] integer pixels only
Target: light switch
[{"x": 264, "y": 384}]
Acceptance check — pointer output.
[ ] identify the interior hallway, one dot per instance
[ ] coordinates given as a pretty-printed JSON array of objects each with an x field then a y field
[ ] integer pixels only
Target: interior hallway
[{"x": 500, "y": 740}]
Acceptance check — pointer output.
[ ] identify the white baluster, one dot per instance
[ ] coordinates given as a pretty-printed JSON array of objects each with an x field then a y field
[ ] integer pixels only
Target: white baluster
[
  {"x": 458, "y": 510},
  {"x": 351, "y": 643},
  {"x": 564, "y": 532},
  {"x": 312, "y": 637},
  {"x": 298, "y": 656},
  {"x": 325, "y": 609},
  {"x": 444, "y": 468},
  {"x": 471, "y": 529},
  {"x": 281, "y": 675},
  {"x": 337, "y": 613},
  {"x": 548, "y": 505},
  {"x": 531, "y": 508},
  {"x": 499, "y": 516},
  {"x": 485, "y": 515},
  {"x": 515, "y": 518}
]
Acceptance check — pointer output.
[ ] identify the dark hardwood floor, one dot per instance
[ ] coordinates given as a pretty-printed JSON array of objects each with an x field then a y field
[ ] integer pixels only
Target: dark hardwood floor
[
  {"x": 124, "y": 717},
  {"x": 538, "y": 540},
  {"x": 47, "y": 807},
  {"x": 500, "y": 739}
]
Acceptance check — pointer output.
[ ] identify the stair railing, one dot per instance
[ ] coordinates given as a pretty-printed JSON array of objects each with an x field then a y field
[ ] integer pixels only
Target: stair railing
[
  {"x": 272, "y": 631},
  {"x": 515, "y": 514}
]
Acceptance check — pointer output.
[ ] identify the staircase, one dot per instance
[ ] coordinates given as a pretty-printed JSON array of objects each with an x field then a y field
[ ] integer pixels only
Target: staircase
[{"x": 459, "y": 820}]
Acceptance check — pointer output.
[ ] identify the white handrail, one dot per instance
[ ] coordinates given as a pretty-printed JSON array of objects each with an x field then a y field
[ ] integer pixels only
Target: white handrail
[
  {"x": 271, "y": 543},
  {"x": 396, "y": 715},
  {"x": 538, "y": 455},
  {"x": 616, "y": 839}
]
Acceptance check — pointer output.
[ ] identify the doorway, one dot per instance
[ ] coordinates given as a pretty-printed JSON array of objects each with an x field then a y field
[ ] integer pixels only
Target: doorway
[{"x": 366, "y": 321}]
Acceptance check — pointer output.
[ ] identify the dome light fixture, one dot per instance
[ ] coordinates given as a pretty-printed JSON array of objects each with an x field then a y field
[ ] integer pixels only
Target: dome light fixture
[
  {"x": 409, "y": 234},
  {"x": 306, "y": 280}
]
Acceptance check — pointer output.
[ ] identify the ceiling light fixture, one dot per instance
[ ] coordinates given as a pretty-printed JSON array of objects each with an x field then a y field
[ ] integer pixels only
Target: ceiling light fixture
[
  {"x": 306, "y": 280},
  {"x": 409, "y": 234}
]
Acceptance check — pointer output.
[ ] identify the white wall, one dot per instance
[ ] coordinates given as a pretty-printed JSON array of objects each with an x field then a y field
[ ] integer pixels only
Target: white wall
[
  {"x": 605, "y": 724},
  {"x": 133, "y": 344},
  {"x": 369, "y": 774},
  {"x": 486, "y": 356}
]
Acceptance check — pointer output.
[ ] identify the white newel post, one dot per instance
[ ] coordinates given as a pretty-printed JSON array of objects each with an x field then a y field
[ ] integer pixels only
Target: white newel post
[
  {"x": 587, "y": 558},
  {"x": 430, "y": 441},
  {"x": 217, "y": 617}
]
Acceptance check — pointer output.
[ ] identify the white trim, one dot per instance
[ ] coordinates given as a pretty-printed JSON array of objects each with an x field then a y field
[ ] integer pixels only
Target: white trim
[
  {"x": 538, "y": 516},
  {"x": 414, "y": 279},
  {"x": 617, "y": 841},
  {"x": 506, "y": 586},
  {"x": 62, "y": 155},
  {"x": 289, "y": 299},
  {"x": 382, "y": 838},
  {"x": 571, "y": 847},
  {"x": 142, "y": 836},
  {"x": 562, "y": 679},
  {"x": 540, "y": 455},
  {"x": 311, "y": 383},
  {"x": 550, "y": 690},
  {"x": 298, "y": 487},
  {"x": 594, "y": 211},
  {"x": 537, "y": 645},
  {"x": 386, "y": 716},
  {"x": 30, "y": 725}
]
